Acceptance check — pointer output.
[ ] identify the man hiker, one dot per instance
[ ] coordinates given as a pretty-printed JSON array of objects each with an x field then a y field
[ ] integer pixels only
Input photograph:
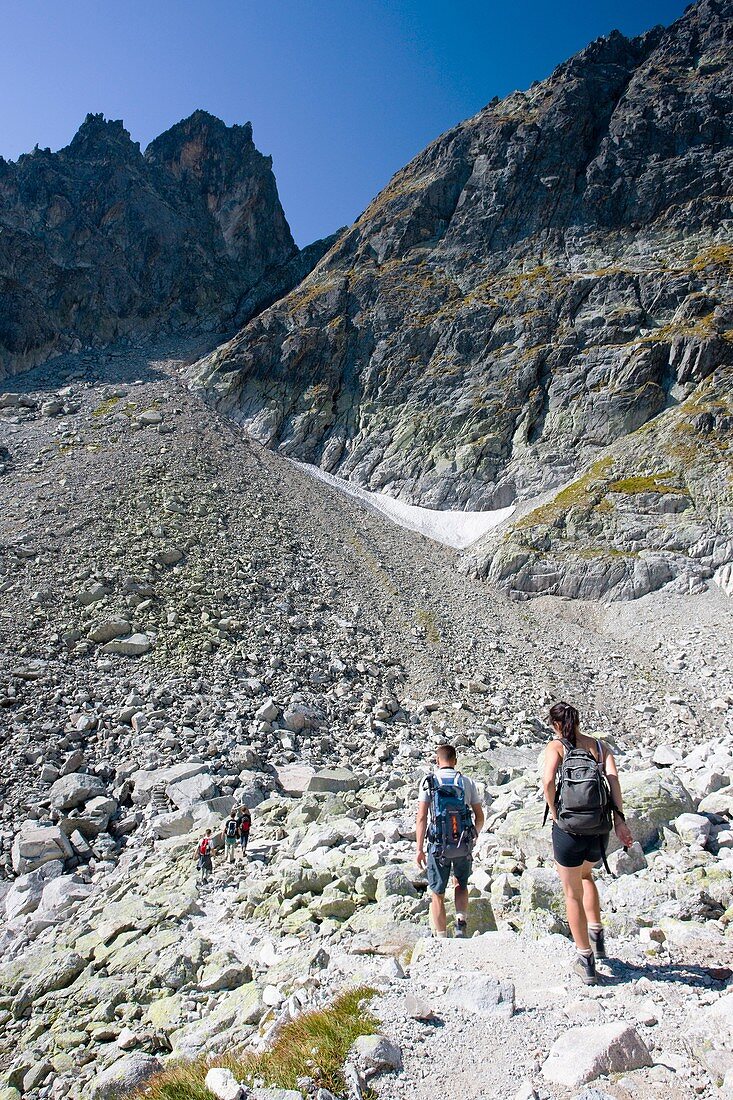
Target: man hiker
[
  {"x": 244, "y": 821},
  {"x": 230, "y": 835},
  {"x": 450, "y": 813},
  {"x": 204, "y": 849}
]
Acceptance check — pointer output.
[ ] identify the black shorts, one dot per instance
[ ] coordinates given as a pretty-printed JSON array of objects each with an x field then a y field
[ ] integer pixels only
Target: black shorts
[{"x": 571, "y": 850}]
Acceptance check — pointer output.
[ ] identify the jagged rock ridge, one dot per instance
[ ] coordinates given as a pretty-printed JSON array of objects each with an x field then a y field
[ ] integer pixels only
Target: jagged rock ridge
[
  {"x": 101, "y": 240},
  {"x": 541, "y": 282}
]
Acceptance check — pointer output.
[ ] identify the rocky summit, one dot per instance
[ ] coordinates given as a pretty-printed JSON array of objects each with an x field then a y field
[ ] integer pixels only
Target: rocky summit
[
  {"x": 532, "y": 317},
  {"x": 535, "y": 311},
  {"x": 101, "y": 240}
]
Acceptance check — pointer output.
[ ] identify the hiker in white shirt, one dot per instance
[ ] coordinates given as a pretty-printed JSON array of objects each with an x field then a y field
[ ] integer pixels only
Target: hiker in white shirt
[{"x": 449, "y": 804}]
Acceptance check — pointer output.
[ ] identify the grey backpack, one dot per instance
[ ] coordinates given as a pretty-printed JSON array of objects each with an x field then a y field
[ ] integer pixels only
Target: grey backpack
[
  {"x": 583, "y": 796},
  {"x": 583, "y": 800}
]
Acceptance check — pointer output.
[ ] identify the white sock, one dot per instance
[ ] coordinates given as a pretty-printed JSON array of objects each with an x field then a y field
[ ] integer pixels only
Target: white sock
[
  {"x": 461, "y": 917},
  {"x": 595, "y": 927},
  {"x": 441, "y": 935},
  {"x": 586, "y": 954}
]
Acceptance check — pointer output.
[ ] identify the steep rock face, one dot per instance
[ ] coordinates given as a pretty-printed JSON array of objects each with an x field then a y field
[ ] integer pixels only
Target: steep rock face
[
  {"x": 539, "y": 283},
  {"x": 656, "y": 509},
  {"x": 221, "y": 165},
  {"x": 100, "y": 240}
]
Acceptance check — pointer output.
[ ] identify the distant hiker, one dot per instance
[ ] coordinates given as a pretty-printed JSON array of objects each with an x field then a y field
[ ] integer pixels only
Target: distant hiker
[
  {"x": 583, "y": 796},
  {"x": 244, "y": 822},
  {"x": 204, "y": 849},
  {"x": 230, "y": 835},
  {"x": 449, "y": 812}
]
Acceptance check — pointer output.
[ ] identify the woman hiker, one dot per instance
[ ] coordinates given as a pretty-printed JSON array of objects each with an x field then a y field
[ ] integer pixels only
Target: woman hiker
[{"x": 576, "y": 853}]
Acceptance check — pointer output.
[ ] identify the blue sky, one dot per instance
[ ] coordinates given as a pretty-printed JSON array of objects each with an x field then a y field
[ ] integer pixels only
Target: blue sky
[{"x": 341, "y": 93}]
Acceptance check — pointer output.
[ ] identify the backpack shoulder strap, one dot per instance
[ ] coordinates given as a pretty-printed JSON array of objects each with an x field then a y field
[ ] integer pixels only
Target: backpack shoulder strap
[
  {"x": 567, "y": 745},
  {"x": 601, "y": 755},
  {"x": 603, "y": 854}
]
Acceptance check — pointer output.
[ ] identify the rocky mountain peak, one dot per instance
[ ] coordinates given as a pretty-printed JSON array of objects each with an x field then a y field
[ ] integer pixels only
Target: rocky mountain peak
[
  {"x": 99, "y": 138},
  {"x": 235, "y": 180},
  {"x": 190, "y": 145},
  {"x": 98, "y": 241}
]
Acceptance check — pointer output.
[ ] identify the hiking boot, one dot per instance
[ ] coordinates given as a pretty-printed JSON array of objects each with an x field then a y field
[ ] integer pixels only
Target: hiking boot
[
  {"x": 460, "y": 932},
  {"x": 585, "y": 967},
  {"x": 598, "y": 943}
]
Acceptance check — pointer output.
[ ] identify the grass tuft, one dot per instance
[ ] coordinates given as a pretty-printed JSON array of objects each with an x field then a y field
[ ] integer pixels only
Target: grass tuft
[
  {"x": 105, "y": 407},
  {"x": 651, "y": 483},
  {"x": 313, "y": 1045}
]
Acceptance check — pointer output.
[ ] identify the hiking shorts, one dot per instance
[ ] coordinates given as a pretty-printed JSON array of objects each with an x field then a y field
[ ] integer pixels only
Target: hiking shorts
[
  {"x": 571, "y": 850},
  {"x": 439, "y": 873}
]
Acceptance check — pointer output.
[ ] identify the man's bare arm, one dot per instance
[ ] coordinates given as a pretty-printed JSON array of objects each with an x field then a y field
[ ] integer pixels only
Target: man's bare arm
[
  {"x": 421, "y": 826},
  {"x": 478, "y": 816}
]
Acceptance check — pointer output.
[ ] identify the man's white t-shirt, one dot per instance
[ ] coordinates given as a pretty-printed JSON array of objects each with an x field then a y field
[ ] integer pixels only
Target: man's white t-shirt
[{"x": 469, "y": 787}]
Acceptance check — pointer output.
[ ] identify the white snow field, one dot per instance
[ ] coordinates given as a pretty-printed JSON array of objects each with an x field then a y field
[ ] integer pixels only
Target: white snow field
[{"x": 452, "y": 528}]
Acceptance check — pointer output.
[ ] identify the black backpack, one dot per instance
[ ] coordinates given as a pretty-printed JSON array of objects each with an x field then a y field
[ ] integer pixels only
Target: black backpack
[
  {"x": 583, "y": 801},
  {"x": 231, "y": 828},
  {"x": 451, "y": 834}
]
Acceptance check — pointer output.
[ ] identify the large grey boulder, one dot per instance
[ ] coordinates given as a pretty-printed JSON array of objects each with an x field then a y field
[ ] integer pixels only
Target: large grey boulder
[
  {"x": 652, "y": 799},
  {"x": 294, "y": 778},
  {"x": 95, "y": 817},
  {"x": 480, "y": 995},
  {"x": 377, "y": 1053},
  {"x": 49, "y": 971},
  {"x": 107, "y": 629},
  {"x": 624, "y": 862},
  {"x": 224, "y": 971},
  {"x": 62, "y": 893},
  {"x": 249, "y": 790},
  {"x": 144, "y": 781},
  {"x": 74, "y": 790},
  {"x": 25, "y": 893},
  {"x": 335, "y": 832},
  {"x": 693, "y": 828},
  {"x": 35, "y": 845},
  {"x": 718, "y": 802},
  {"x": 333, "y": 780},
  {"x": 581, "y": 1054},
  {"x": 541, "y": 892},
  {"x": 394, "y": 881},
  {"x": 127, "y": 1073},
  {"x": 187, "y": 792},
  {"x": 165, "y": 826},
  {"x": 135, "y": 645}
]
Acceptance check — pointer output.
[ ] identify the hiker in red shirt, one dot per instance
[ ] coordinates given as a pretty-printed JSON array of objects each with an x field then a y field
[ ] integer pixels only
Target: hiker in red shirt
[{"x": 204, "y": 851}]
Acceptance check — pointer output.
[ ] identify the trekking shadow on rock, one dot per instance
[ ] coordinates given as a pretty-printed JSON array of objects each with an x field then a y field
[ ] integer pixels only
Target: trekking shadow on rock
[{"x": 682, "y": 973}]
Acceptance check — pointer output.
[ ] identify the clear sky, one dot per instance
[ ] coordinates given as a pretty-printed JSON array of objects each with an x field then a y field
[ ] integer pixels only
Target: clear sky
[{"x": 341, "y": 93}]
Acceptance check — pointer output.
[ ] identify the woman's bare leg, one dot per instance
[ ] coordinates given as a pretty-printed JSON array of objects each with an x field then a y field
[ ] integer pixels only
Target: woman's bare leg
[
  {"x": 591, "y": 901},
  {"x": 573, "y": 888}
]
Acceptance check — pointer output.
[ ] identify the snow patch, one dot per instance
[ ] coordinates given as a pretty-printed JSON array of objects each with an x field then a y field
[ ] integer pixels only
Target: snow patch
[{"x": 452, "y": 528}]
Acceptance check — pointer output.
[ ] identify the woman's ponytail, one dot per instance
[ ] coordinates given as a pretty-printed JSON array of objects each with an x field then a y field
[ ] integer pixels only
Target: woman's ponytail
[{"x": 567, "y": 718}]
